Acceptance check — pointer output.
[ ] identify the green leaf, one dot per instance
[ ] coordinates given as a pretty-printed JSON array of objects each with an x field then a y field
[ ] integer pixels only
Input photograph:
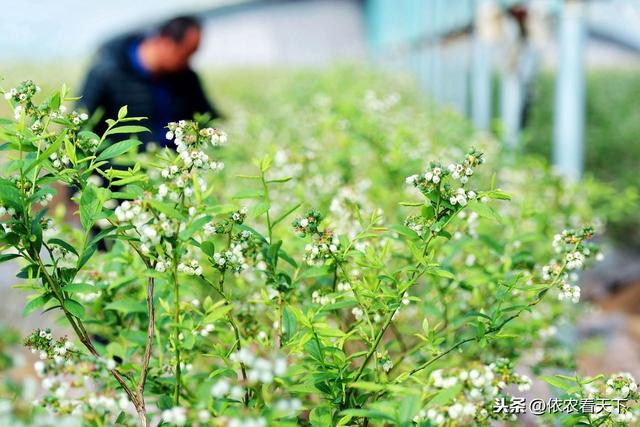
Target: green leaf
[
  {"x": 50, "y": 150},
  {"x": 218, "y": 313},
  {"x": 320, "y": 417},
  {"x": 166, "y": 208},
  {"x": 127, "y": 305},
  {"x": 122, "y": 112},
  {"x": 556, "y": 382},
  {"x": 90, "y": 206},
  {"x": 208, "y": 248},
  {"x": 10, "y": 195},
  {"x": 75, "y": 308},
  {"x": 405, "y": 231},
  {"x": 259, "y": 209},
  {"x": 280, "y": 180},
  {"x": 497, "y": 194},
  {"x": 477, "y": 314},
  {"x": 285, "y": 215},
  {"x": 445, "y": 396},
  {"x": 35, "y": 304},
  {"x": 63, "y": 244},
  {"x": 89, "y": 250},
  {"x": 7, "y": 257},
  {"x": 249, "y": 194},
  {"x": 409, "y": 406},
  {"x": 289, "y": 324},
  {"x": 118, "y": 149},
  {"x": 485, "y": 211},
  {"x": 369, "y": 413},
  {"x": 127, "y": 129},
  {"x": 74, "y": 288}
]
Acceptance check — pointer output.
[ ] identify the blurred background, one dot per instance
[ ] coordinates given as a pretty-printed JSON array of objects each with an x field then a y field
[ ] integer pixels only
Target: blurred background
[{"x": 553, "y": 78}]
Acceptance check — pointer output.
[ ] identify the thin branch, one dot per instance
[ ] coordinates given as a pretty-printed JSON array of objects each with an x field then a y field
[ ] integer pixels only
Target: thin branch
[{"x": 150, "y": 334}]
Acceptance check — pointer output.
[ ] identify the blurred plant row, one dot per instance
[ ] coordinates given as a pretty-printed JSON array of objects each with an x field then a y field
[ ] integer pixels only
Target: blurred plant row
[
  {"x": 612, "y": 145},
  {"x": 377, "y": 263}
]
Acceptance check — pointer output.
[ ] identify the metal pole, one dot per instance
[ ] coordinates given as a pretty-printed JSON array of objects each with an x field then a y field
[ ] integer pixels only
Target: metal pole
[
  {"x": 481, "y": 75},
  {"x": 568, "y": 148}
]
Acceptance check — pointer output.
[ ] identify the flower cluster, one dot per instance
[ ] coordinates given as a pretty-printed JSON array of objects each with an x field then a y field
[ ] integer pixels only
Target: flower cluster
[
  {"x": 66, "y": 371},
  {"x": 434, "y": 176},
  {"x": 574, "y": 250},
  {"x": 308, "y": 224},
  {"x": 7, "y": 211},
  {"x": 23, "y": 93},
  {"x": 63, "y": 257},
  {"x": 21, "y": 98},
  {"x": 189, "y": 267},
  {"x": 176, "y": 415},
  {"x": 187, "y": 134},
  {"x": 480, "y": 387},
  {"x": 569, "y": 293},
  {"x": 232, "y": 259},
  {"x": 318, "y": 298},
  {"x": 461, "y": 197},
  {"x": 621, "y": 387},
  {"x": 324, "y": 243},
  {"x": 223, "y": 388},
  {"x": 322, "y": 248},
  {"x": 259, "y": 369},
  {"x": 225, "y": 226}
]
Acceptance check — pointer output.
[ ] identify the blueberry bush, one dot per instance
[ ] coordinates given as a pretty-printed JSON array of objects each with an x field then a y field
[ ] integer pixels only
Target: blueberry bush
[{"x": 378, "y": 263}]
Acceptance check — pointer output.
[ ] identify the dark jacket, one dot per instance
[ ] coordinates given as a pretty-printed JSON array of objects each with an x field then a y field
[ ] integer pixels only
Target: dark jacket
[{"x": 116, "y": 79}]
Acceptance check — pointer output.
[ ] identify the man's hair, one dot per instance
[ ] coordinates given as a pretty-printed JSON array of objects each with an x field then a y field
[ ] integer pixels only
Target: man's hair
[{"x": 176, "y": 28}]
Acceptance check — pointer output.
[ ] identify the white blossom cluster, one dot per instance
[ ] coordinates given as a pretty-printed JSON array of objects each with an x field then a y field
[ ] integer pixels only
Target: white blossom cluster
[
  {"x": 7, "y": 211},
  {"x": 108, "y": 404},
  {"x": 461, "y": 197},
  {"x": 44, "y": 200},
  {"x": 460, "y": 172},
  {"x": 232, "y": 259},
  {"x": 148, "y": 228},
  {"x": 480, "y": 386},
  {"x": 22, "y": 93},
  {"x": 186, "y": 133},
  {"x": 63, "y": 257},
  {"x": 318, "y": 298},
  {"x": 375, "y": 103},
  {"x": 206, "y": 330},
  {"x": 224, "y": 388},
  {"x": 176, "y": 415},
  {"x": 189, "y": 267},
  {"x": 226, "y": 226},
  {"x": 247, "y": 422},
  {"x": 322, "y": 249},
  {"x": 153, "y": 226},
  {"x": 442, "y": 181},
  {"x": 569, "y": 293},
  {"x": 621, "y": 385},
  {"x": 259, "y": 369},
  {"x": 574, "y": 250},
  {"x": 66, "y": 372},
  {"x": 59, "y": 161},
  {"x": 308, "y": 224},
  {"x": 343, "y": 207},
  {"x": 288, "y": 406},
  {"x": 384, "y": 361},
  {"x": 618, "y": 386}
]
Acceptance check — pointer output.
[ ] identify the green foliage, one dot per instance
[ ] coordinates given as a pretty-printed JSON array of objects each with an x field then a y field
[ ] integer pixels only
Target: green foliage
[
  {"x": 611, "y": 137},
  {"x": 369, "y": 267}
]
